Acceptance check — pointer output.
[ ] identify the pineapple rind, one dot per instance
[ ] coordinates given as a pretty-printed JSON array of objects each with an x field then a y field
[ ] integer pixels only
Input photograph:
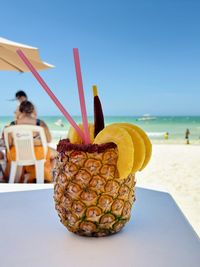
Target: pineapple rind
[{"x": 90, "y": 198}]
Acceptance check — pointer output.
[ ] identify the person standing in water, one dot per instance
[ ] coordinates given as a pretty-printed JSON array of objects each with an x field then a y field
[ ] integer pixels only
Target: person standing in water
[
  {"x": 166, "y": 136},
  {"x": 187, "y": 133}
]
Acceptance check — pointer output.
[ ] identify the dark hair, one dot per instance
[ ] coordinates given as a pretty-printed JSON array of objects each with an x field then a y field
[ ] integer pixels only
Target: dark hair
[
  {"x": 20, "y": 94},
  {"x": 26, "y": 107}
]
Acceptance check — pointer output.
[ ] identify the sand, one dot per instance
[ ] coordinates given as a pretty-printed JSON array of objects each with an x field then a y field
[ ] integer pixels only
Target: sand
[{"x": 176, "y": 169}]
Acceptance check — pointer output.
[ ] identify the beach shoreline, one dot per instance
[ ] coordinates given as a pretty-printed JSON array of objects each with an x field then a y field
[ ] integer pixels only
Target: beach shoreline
[{"x": 156, "y": 129}]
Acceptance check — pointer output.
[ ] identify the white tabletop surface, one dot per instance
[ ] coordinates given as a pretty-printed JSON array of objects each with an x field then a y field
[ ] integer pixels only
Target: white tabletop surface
[{"x": 158, "y": 235}]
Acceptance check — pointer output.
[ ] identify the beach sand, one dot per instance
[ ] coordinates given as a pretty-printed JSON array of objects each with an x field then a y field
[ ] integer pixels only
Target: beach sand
[{"x": 176, "y": 169}]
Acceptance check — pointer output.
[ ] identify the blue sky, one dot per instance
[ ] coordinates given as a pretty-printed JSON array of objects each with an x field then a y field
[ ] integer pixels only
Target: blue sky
[{"x": 143, "y": 55}]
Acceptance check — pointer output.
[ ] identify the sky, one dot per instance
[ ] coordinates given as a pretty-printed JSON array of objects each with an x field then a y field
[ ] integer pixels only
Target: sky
[{"x": 143, "y": 55}]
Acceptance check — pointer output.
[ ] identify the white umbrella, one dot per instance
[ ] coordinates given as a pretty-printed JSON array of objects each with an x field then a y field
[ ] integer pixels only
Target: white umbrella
[{"x": 9, "y": 60}]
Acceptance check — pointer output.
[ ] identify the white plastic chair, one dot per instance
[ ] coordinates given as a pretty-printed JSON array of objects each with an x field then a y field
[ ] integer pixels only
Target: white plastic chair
[
  {"x": 24, "y": 145},
  {"x": 2, "y": 167},
  {"x": 2, "y": 161}
]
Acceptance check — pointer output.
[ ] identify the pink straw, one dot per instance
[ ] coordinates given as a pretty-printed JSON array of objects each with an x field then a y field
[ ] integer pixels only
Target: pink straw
[
  {"x": 81, "y": 95},
  {"x": 50, "y": 93}
]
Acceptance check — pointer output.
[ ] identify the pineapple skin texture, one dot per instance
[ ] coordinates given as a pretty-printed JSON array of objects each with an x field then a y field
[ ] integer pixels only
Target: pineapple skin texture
[{"x": 89, "y": 197}]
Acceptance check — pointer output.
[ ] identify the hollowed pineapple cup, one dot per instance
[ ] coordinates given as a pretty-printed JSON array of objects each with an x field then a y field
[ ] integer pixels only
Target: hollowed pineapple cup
[{"x": 89, "y": 197}]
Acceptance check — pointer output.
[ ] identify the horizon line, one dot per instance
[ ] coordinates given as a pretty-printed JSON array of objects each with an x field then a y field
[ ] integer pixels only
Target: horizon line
[{"x": 118, "y": 115}]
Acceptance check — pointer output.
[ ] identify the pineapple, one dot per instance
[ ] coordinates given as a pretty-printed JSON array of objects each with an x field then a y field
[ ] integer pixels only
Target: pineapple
[
  {"x": 146, "y": 140},
  {"x": 75, "y": 138},
  {"x": 123, "y": 140},
  {"x": 90, "y": 197},
  {"x": 95, "y": 184}
]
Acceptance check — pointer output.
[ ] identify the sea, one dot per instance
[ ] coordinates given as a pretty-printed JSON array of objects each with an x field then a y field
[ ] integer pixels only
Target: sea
[{"x": 156, "y": 128}]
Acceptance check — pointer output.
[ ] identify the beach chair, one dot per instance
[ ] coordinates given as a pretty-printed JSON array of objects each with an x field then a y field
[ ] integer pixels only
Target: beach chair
[
  {"x": 2, "y": 160},
  {"x": 24, "y": 146}
]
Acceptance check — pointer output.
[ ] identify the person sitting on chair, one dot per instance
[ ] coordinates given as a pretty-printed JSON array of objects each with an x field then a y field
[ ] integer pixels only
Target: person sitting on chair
[{"x": 26, "y": 110}]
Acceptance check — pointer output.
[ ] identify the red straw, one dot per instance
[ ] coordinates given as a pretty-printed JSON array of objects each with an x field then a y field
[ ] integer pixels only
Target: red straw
[
  {"x": 50, "y": 93},
  {"x": 81, "y": 95}
]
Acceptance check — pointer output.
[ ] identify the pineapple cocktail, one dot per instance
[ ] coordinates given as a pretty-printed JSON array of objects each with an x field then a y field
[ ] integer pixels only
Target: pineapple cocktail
[{"x": 94, "y": 183}]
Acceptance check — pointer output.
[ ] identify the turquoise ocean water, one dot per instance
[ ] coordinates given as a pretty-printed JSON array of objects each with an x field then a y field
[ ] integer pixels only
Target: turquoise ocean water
[{"x": 175, "y": 126}]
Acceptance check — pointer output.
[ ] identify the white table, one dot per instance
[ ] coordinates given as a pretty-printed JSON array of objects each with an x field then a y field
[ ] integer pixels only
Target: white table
[{"x": 158, "y": 235}]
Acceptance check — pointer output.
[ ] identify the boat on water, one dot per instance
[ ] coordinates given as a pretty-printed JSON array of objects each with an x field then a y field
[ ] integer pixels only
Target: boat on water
[{"x": 146, "y": 117}]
